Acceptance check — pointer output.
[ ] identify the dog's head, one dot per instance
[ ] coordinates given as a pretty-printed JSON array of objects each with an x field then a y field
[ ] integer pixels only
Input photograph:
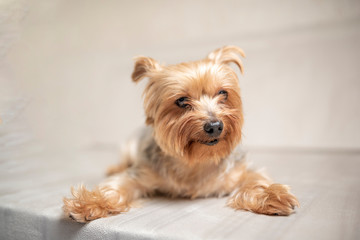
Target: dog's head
[{"x": 195, "y": 108}]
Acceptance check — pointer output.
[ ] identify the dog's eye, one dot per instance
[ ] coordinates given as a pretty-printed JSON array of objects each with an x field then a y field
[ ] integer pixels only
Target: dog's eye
[
  {"x": 223, "y": 92},
  {"x": 181, "y": 102}
]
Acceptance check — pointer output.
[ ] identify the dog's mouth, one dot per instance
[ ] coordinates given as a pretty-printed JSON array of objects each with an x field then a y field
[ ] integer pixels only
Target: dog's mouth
[{"x": 211, "y": 143}]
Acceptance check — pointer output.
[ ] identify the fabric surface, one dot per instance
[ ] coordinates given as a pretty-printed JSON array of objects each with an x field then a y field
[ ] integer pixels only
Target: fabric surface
[{"x": 34, "y": 179}]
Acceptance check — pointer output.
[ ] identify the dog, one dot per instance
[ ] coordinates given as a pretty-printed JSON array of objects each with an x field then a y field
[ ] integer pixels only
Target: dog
[{"x": 194, "y": 119}]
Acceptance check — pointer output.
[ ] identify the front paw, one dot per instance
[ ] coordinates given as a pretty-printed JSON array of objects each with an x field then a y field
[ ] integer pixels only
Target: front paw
[
  {"x": 86, "y": 205},
  {"x": 273, "y": 200},
  {"x": 277, "y": 200}
]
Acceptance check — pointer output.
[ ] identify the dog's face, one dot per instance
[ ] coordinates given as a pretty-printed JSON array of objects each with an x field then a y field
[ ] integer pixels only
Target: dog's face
[{"x": 195, "y": 108}]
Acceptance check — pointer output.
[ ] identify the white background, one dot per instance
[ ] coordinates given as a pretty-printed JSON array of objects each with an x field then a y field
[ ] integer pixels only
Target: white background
[{"x": 65, "y": 66}]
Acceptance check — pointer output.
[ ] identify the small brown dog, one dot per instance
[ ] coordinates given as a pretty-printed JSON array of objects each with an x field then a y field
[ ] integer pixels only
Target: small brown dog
[{"x": 194, "y": 114}]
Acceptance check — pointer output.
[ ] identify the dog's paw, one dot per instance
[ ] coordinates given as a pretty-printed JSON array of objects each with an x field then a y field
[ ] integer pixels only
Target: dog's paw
[
  {"x": 87, "y": 205},
  {"x": 273, "y": 200},
  {"x": 277, "y": 200}
]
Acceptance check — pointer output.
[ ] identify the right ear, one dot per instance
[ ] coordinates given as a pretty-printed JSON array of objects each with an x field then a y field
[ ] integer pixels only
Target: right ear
[
  {"x": 144, "y": 66},
  {"x": 228, "y": 54}
]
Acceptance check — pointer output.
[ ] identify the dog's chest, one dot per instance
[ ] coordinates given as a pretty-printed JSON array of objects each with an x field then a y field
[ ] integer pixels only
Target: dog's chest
[{"x": 202, "y": 182}]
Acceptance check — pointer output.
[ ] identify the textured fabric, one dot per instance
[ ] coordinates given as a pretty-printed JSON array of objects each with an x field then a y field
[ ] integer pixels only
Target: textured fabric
[{"x": 34, "y": 180}]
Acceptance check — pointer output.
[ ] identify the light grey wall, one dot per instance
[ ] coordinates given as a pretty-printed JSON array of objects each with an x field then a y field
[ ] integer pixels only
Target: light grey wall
[{"x": 65, "y": 66}]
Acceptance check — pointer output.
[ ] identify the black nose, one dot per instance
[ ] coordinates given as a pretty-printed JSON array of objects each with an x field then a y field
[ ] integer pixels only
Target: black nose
[{"x": 214, "y": 128}]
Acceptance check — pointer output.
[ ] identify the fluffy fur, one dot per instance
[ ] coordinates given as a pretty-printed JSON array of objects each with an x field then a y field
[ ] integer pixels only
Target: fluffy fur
[{"x": 175, "y": 155}]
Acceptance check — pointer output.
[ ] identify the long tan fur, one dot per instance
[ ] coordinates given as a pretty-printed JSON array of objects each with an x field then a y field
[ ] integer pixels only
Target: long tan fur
[{"x": 174, "y": 155}]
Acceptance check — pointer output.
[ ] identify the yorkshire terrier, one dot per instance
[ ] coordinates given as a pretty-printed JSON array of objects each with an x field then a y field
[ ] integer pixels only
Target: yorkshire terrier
[{"x": 195, "y": 117}]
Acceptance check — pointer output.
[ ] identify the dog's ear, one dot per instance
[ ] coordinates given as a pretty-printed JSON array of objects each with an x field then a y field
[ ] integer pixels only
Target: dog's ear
[
  {"x": 228, "y": 54},
  {"x": 144, "y": 66}
]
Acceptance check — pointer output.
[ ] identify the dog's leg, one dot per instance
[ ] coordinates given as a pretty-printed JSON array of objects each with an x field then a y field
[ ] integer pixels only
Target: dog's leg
[
  {"x": 258, "y": 194},
  {"x": 111, "y": 197}
]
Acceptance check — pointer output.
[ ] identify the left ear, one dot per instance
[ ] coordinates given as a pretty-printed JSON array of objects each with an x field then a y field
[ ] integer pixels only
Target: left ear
[
  {"x": 228, "y": 54},
  {"x": 144, "y": 66}
]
